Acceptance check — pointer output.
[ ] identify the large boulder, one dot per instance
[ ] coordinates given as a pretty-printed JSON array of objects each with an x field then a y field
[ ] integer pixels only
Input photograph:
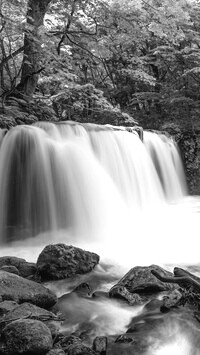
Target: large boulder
[
  {"x": 28, "y": 310},
  {"x": 26, "y": 336},
  {"x": 140, "y": 280},
  {"x": 10, "y": 268},
  {"x": 6, "y": 307},
  {"x": 24, "y": 268},
  {"x": 18, "y": 289},
  {"x": 60, "y": 261}
]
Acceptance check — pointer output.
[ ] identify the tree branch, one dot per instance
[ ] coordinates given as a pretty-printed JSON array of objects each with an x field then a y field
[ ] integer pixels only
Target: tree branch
[{"x": 11, "y": 56}]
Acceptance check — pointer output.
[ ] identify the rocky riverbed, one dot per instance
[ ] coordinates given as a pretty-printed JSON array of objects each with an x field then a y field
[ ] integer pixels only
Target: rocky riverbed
[{"x": 66, "y": 303}]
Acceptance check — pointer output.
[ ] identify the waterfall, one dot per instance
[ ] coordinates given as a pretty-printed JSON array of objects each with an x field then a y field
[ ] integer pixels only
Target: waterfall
[{"x": 83, "y": 179}]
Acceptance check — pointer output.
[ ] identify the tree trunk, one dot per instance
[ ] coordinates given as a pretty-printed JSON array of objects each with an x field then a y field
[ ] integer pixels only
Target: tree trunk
[{"x": 32, "y": 47}]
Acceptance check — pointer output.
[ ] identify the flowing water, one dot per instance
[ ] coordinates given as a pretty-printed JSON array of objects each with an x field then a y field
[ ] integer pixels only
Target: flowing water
[{"x": 100, "y": 188}]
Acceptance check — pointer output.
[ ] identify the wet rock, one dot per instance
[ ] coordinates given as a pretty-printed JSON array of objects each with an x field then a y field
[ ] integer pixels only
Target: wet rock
[
  {"x": 121, "y": 292},
  {"x": 171, "y": 300},
  {"x": 24, "y": 268},
  {"x": 10, "y": 268},
  {"x": 6, "y": 307},
  {"x": 83, "y": 289},
  {"x": 72, "y": 345},
  {"x": 140, "y": 280},
  {"x": 28, "y": 310},
  {"x": 100, "y": 345},
  {"x": 18, "y": 289},
  {"x": 26, "y": 336},
  {"x": 27, "y": 269},
  {"x": 60, "y": 261}
]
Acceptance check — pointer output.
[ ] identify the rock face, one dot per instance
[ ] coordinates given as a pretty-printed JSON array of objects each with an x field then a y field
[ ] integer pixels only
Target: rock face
[
  {"x": 60, "y": 261},
  {"x": 25, "y": 269},
  {"x": 18, "y": 289},
  {"x": 26, "y": 336},
  {"x": 140, "y": 280},
  {"x": 188, "y": 139}
]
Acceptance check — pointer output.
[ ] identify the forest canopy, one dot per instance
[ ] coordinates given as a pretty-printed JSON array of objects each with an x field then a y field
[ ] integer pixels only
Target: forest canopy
[{"x": 141, "y": 57}]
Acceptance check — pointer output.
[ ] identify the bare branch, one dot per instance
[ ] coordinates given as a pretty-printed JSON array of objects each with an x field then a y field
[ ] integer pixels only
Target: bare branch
[{"x": 11, "y": 56}]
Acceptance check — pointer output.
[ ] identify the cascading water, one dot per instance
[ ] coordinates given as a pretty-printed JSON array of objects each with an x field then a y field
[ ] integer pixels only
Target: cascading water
[
  {"x": 82, "y": 179},
  {"x": 103, "y": 189}
]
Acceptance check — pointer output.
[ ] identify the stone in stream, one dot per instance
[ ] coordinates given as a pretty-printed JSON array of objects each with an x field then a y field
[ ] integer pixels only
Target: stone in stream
[
  {"x": 121, "y": 292},
  {"x": 140, "y": 280},
  {"x": 28, "y": 310},
  {"x": 83, "y": 289},
  {"x": 100, "y": 345},
  {"x": 24, "y": 268},
  {"x": 170, "y": 301},
  {"x": 18, "y": 289},
  {"x": 25, "y": 336},
  {"x": 61, "y": 261}
]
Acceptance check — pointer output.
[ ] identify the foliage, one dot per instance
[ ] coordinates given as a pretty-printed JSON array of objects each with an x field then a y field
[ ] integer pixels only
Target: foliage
[
  {"x": 12, "y": 26},
  {"x": 89, "y": 103},
  {"x": 144, "y": 56}
]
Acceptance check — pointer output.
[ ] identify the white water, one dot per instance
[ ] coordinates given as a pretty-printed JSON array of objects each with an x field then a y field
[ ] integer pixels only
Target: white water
[
  {"x": 101, "y": 189},
  {"x": 96, "y": 187}
]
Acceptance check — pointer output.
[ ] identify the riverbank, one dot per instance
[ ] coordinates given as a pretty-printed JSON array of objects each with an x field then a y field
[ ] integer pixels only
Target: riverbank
[{"x": 66, "y": 303}]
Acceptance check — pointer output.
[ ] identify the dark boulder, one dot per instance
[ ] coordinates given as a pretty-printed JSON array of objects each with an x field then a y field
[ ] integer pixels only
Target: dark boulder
[
  {"x": 6, "y": 307},
  {"x": 60, "y": 261},
  {"x": 140, "y": 280},
  {"x": 170, "y": 301},
  {"x": 28, "y": 310},
  {"x": 121, "y": 292},
  {"x": 83, "y": 289},
  {"x": 18, "y": 289},
  {"x": 26, "y": 336},
  {"x": 24, "y": 268},
  {"x": 100, "y": 345},
  {"x": 10, "y": 268}
]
